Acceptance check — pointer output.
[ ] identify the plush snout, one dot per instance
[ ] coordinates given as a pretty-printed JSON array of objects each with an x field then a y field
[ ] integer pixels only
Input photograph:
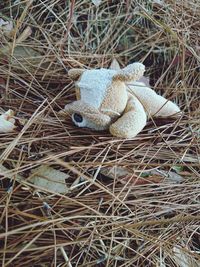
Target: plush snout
[{"x": 84, "y": 115}]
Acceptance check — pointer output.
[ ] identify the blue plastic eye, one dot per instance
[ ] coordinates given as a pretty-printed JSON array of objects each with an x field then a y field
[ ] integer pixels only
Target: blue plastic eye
[{"x": 77, "y": 117}]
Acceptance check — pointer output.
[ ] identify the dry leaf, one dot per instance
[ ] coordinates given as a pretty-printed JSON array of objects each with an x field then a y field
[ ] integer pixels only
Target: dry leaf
[
  {"x": 49, "y": 178},
  {"x": 168, "y": 175},
  {"x": 154, "y": 176},
  {"x": 123, "y": 174},
  {"x": 7, "y": 122},
  {"x": 96, "y": 2},
  {"x": 115, "y": 172},
  {"x": 26, "y": 55},
  {"x": 8, "y": 174},
  {"x": 21, "y": 55},
  {"x": 22, "y": 52}
]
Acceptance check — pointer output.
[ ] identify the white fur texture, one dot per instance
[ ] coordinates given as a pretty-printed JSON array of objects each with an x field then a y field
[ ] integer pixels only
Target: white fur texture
[{"x": 94, "y": 84}]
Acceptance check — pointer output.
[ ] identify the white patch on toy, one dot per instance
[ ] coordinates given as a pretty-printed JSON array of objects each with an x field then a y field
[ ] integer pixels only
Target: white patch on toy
[{"x": 94, "y": 84}]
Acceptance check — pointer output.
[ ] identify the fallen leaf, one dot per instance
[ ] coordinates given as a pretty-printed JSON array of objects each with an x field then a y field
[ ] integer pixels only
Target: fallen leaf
[
  {"x": 23, "y": 57},
  {"x": 27, "y": 56},
  {"x": 50, "y": 179},
  {"x": 8, "y": 174},
  {"x": 148, "y": 177},
  {"x": 168, "y": 175},
  {"x": 96, "y": 2},
  {"x": 142, "y": 181},
  {"x": 7, "y": 122},
  {"x": 22, "y": 52},
  {"x": 115, "y": 172},
  {"x": 123, "y": 174}
]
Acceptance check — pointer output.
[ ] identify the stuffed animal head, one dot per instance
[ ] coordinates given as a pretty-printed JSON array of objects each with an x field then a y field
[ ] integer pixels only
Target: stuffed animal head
[{"x": 101, "y": 95}]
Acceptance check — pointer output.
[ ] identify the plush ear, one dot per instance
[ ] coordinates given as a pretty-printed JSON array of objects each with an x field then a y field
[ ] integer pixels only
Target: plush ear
[
  {"x": 74, "y": 74},
  {"x": 130, "y": 73},
  {"x": 114, "y": 65}
]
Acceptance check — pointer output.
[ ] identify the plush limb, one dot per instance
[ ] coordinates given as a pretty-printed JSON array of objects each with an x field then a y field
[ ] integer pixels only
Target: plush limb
[
  {"x": 154, "y": 104},
  {"x": 132, "y": 121},
  {"x": 132, "y": 72},
  {"x": 166, "y": 108}
]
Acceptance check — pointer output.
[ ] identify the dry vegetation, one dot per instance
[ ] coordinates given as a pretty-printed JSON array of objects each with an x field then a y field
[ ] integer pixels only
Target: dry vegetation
[{"x": 143, "y": 216}]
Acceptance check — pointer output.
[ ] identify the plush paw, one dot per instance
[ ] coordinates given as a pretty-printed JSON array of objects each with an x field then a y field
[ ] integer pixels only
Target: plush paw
[{"x": 128, "y": 126}]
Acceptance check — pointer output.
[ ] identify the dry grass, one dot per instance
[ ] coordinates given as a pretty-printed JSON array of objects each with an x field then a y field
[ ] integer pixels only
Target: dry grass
[{"x": 102, "y": 221}]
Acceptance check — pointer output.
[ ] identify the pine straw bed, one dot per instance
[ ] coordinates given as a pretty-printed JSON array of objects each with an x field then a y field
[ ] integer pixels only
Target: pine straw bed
[{"x": 143, "y": 216}]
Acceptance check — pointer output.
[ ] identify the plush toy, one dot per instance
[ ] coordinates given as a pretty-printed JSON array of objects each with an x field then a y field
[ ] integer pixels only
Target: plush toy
[{"x": 115, "y": 100}]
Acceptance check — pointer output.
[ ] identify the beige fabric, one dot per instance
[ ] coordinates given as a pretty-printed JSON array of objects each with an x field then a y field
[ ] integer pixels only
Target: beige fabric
[
  {"x": 132, "y": 121},
  {"x": 78, "y": 93},
  {"x": 132, "y": 72},
  {"x": 115, "y": 100},
  {"x": 154, "y": 104},
  {"x": 94, "y": 116}
]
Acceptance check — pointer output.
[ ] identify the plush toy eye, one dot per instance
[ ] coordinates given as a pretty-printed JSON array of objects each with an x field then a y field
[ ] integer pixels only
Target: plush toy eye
[{"x": 77, "y": 117}]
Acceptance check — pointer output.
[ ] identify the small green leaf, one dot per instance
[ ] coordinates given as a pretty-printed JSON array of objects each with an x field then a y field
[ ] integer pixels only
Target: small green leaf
[{"x": 177, "y": 168}]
